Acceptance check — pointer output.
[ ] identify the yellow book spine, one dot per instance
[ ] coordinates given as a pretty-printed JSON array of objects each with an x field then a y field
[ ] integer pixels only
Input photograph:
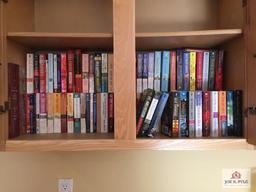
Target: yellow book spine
[
  {"x": 57, "y": 104},
  {"x": 70, "y": 104},
  {"x": 192, "y": 66}
]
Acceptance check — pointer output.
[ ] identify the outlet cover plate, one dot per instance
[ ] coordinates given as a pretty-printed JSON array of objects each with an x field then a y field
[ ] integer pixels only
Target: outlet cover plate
[{"x": 65, "y": 185}]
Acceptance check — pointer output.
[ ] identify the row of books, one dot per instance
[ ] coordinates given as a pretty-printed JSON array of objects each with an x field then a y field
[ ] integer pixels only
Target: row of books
[
  {"x": 69, "y": 113},
  {"x": 182, "y": 70},
  {"x": 190, "y": 114},
  {"x": 69, "y": 71}
]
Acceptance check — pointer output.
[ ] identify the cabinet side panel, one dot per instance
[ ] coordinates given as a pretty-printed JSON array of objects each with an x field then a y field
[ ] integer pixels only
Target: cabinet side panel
[{"x": 124, "y": 69}]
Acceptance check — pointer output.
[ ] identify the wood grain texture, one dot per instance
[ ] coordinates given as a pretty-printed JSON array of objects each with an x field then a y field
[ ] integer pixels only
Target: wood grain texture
[
  {"x": 89, "y": 145},
  {"x": 47, "y": 40},
  {"x": 196, "y": 39},
  {"x": 124, "y": 69}
]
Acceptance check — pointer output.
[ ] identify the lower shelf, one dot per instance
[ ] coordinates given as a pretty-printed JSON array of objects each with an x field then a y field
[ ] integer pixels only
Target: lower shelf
[{"x": 76, "y": 144}]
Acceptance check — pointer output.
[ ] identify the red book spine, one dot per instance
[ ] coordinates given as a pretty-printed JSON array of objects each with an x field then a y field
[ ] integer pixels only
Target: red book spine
[
  {"x": 71, "y": 71},
  {"x": 199, "y": 70},
  {"x": 206, "y": 114},
  {"x": 111, "y": 112},
  {"x": 42, "y": 63},
  {"x": 219, "y": 71},
  {"x": 173, "y": 70},
  {"x": 63, "y": 72},
  {"x": 27, "y": 116},
  {"x": 78, "y": 71}
]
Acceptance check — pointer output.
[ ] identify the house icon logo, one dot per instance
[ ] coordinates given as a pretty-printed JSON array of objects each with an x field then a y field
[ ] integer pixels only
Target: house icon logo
[{"x": 236, "y": 175}]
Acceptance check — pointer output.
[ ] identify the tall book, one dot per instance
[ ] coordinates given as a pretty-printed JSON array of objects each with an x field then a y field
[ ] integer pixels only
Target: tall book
[
  {"x": 91, "y": 113},
  {"x": 50, "y": 73},
  {"x": 179, "y": 70},
  {"x": 175, "y": 114},
  {"x": 214, "y": 126},
  {"x": 157, "y": 74},
  {"x": 50, "y": 113},
  {"x": 55, "y": 73},
  {"x": 13, "y": 95},
  {"x": 110, "y": 73},
  {"x": 145, "y": 71},
  {"x": 223, "y": 114},
  {"x": 104, "y": 73},
  {"x": 87, "y": 113},
  {"x": 183, "y": 114},
  {"x": 191, "y": 114},
  {"x": 58, "y": 73},
  {"x": 77, "y": 113},
  {"x": 78, "y": 71},
  {"x": 206, "y": 113},
  {"x": 91, "y": 73},
  {"x": 165, "y": 71},
  {"x": 102, "y": 112},
  {"x": 212, "y": 62},
  {"x": 83, "y": 112},
  {"x": 111, "y": 112},
  {"x": 85, "y": 73},
  {"x": 173, "y": 71},
  {"x": 230, "y": 113},
  {"x": 198, "y": 114},
  {"x": 192, "y": 70},
  {"x": 37, "y": 113},
  {"x": 64, "y": 73},
  {"x": 64, "y": 128},
  {"x": 30, "y": 73},
  {"x": 33, "y": 113},
  {"x": 42, "y": 74},
  {"x": 36, "y": 73},
  {"x": 98, "y": 65},
  {"x": 238, "y": 113},
  {"x": 70, "y": 112},
  {"x": 151, "y": 62},
  {"x": 219, "y": 71},
  {"x": 71, "y": 73},
  {"x": 186, "y": 75},
  {"x": 205, "y": 70},
  {"x": 199, "y": 70},
  {"x": 57, "y": 113},
  {"x": 43, "y": 113},
  {"x": 139, "y": 74},
  {"x": 94, "y": 113}
]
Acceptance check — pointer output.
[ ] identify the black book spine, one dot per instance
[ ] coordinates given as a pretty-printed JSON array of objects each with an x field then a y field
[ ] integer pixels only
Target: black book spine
[{"x": 238, "y": 113}]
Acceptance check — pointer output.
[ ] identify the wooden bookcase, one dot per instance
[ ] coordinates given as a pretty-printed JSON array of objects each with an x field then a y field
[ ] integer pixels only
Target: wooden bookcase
[{"x": 125, "y": 26}]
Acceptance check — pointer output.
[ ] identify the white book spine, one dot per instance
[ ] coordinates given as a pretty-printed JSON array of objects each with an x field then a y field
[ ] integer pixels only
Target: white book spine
[
  {"x": 70, "y": 126},
  {"x": 206, "y": 70},
  {"x": 151, "y": 66},
  {"x": 214, "y": 126},
  {"x": 198, "y": 114},
  {"x": 43, "y": 123},
  {"x": 91, "y": 83},
  {"x": 55, "y": 71},
  {"x": 50, "y": 72},
  {"x": 104, "y": 112},
  {"x": 30, "y": 73},
  {"x": 77, "y": 106},
  {"x": 37, "y": 113},
  {"x": 91, "y": 113}
]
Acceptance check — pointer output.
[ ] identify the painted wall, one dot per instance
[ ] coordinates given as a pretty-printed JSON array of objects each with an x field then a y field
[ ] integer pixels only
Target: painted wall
[{"x": 129, "y": 171}]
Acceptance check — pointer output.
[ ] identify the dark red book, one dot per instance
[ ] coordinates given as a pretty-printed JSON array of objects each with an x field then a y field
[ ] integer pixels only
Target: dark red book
[
  {"x": 64, "y": 128},
  {"x": 63, "y": 72},
  {"x": 71, "y": 78},
  {"x": 111, "y": 112},
  {"x": 199, "y": 70},
  {"x": 219, "y": 71},
  {"x": 206, "y": 114},
  {"x": 173, "y": 71},
  {"x": 13, "y": 95},
  {"x": 78, "y": 71},
  {"x": 42, "y": 74},
  {"x": 36, "y": 74}
]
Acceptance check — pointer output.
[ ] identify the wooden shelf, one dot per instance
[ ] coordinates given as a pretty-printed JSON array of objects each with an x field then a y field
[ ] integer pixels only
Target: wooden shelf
[
  {"x": 194, "y": 39},
  {"x": 139, "y": 144},
  {"x": 44, "y": 40}
]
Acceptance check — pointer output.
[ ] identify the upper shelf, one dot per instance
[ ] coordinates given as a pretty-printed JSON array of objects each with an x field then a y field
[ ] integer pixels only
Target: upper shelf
[
  {"x": 43, "y": 40},
  {"x": 193, "y": 39}
]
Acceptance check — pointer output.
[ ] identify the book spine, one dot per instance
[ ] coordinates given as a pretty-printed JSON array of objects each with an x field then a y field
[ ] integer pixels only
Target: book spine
[
  {"x": 50, "y": 113},
  {"x": 77, "y": 113},
  {"x": 98, "y": 65},
  {"x": 57, "y": 113},
  {"x": 212, "y": 70},
  {"x": 238, "y": 113},
  {"x": 175, "y": 115},
  {"x": 37, "y": 113},
  {"x": 36, "y": 74},
  {"x": 192, "y": 71},
  {"x": 198, "y": 114},
  {"x": 22, "y": 107},
  {"x": 85, "y": 73},
  {"x": 88, "y": 117},
  {"x": 94, "y": 113},
  {"x": 191, "y": 114},
  {"x": 165, "y": 71},
  {"x": 157, "y": 75},
  {"x": 46, "y": 74},
  {"x": 63, "y": 73},
  {"x": 50, "y": 73},
  {"x": 219, "y": 71},
  {"x": 111, "y": 112},
  {"x": 151, "y": 60},
  {"x": 42, "y": 74},
  {"x": 183, "y": 114},
  {"x": 55, "y": 73},
  {"x": 230, "y": 113},
  {"x": 78, "y": 71},
  {"x": 179, "y": 70},
  {"x": 186, "y": 63},
  {"x": 110, "y": 73},
  {"x": 43, "y": 113},
  {"x": 173, "y": 71},
  {"x": 223, "y": 114},
  {"x": 32, "y": 114},
  {"x": 30, "y": 73},
  {"x": 145, "y": 71},
  {"x": 64, "y": 128},
  {"x": 91, "y": 113},
  {"x": 205, "y": 70},
  {"x": 70, "y": 112},
  {"x": 27, "y": 111},
  {"x": 102, "y": 112},
  {"x": 206, "y": 114},
  {"x": 83, "y": 112},
  {"x": 139, "y": 74},
  {"x": 199, "y": 70},
  {"x": 91, "y": 74},
  {"x": 104, "y": 73},
  {"x": 166, "y": 117},
  {"x": 71, "y": 78},
  {"x": 214, "y": 126}
]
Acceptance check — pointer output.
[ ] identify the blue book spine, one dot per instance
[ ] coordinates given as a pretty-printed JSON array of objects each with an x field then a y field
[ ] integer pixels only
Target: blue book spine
[
  {"x": 230, "y": 112},
  {"x": 183, "y": 117},
  {"x": 186, "y": 63},
  {"x": 87, "y": 118},
  {"x": 50, "y": 72},
  {"x": 179, "y": 70},
  {"x": 59, "y": 74},
  {"x": 165, "y": 71},
  {"x": 94, "y": 113},
  {"x": 157, "y": 70}
]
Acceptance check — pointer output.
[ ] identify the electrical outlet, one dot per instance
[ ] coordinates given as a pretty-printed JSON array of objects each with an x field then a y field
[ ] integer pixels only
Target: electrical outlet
[{"x": 65, "y": 185}]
